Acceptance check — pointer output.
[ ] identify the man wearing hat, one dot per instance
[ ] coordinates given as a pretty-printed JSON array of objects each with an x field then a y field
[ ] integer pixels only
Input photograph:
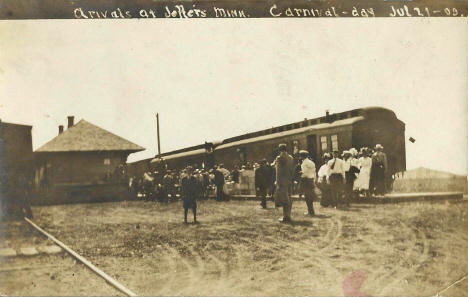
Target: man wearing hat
[
  {"x": 284, "y": 182},
  {"x": 189, "y": 187},
  {"x": 262, "y": 181},
  {"x": 219, "y": 181},
  {"x": 378, "y": 171},
  {"x": 297, "y": 178},
  {"x": 336, "y": 178},
  {"x": 272, "y": 169},
  {"x": 148, "y": 187},
  {"x": 307, "y": 184}
]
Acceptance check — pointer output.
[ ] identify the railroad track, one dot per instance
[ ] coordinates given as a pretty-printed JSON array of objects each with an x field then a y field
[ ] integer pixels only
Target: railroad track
[{"x": 88, "y": 264}]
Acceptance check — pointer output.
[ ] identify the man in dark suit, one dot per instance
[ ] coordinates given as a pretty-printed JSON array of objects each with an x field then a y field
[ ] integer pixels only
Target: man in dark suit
[
  {"x": 219, "y": 182},
  {"x": 378, "y": 171},
  {"x": 297, "y": 179},
  {"x": 262, "y": 181},
  {"x": 168, "y": 187},
  {"x": 284, "y": 182},
  {"x": 189, "y": 187}
]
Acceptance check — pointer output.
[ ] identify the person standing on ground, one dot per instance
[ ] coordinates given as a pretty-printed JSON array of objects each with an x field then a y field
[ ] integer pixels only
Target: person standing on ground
[
  {"x": 350, "y": 173},
  {"x": 307, "y": 184},
  {"x": 284, "y": 182},
  {"x": 297, "y": 179},
  {"x": 189, "y": 186},
  {"x": 134, "y": 185},
  {"x": 168, "y": 187},
  {"x": 323, "y": 175},
  {"x": 235, "y": 178},
  {"x": 225, "y": 172},
  {"x": 272, "y": 169},
  {"x": 262, "y": 181},
  {"x": 199, "y": 176},
  {"x": 148, "y": 185},
  {"x": 336, "y": 178},
  {"x": 379, "y": 169},
  {"x": 235, "y": 175},
  {"x": 205, "y": 182},
  {"x": 18, "y": 193},
  {"x": 362, "y": 182},
  {"x": 219, "y": 182}
]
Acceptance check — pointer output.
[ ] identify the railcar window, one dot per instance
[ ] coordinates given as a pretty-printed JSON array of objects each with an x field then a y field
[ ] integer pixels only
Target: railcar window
[
  {"x": 324, "y": 143},
  {"x": 106, "y": 161},
  {"x": 334, "y": 141}
]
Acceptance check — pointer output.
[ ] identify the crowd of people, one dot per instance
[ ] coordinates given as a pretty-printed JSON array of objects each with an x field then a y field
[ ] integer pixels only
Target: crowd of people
[
  {"x": 340, "y": 178},
  {"x": 167, "y": 187}
]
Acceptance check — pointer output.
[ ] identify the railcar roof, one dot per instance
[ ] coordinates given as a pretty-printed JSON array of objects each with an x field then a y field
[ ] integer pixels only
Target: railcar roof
[
  {"x": 180, "y": 155},
  {"x": 338, "y": 123}
]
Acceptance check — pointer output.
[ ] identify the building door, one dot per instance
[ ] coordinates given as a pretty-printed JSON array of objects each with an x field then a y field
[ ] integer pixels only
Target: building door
[{"x": 312, "y": 147}]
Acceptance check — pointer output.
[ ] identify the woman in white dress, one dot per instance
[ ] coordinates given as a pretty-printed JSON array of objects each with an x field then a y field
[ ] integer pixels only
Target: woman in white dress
[
  {"x": 322, "y": 184},
  {"x": 362, "y": 182}
]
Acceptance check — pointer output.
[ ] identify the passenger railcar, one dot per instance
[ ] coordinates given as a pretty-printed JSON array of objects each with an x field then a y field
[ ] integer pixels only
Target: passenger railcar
[
  {"x": 364, "y": 127},
  {"x": 358, "y": 128},
  {"x": 200, "y": 156}
]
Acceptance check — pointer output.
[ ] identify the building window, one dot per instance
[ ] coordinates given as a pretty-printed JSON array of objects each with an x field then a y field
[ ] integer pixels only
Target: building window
[
  {"x": 334, "y": 141},
  {"x": 324, "y": 144},
  {"x": 106, "y": 161}
]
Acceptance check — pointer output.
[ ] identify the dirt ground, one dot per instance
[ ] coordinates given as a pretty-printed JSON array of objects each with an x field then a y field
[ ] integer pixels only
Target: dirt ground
[{"x": 412, "y": 249}]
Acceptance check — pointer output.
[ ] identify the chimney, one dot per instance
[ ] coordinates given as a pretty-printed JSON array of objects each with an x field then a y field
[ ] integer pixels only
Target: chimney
[
  {"x": 70, "y": 121},
  {"x": 327, "y": 113},
  {"x": 60, "y": 129}
]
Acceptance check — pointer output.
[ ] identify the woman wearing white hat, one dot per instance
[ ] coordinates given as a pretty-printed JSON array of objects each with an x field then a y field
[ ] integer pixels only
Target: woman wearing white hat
[
  {"x": 323, "y": 175},
  {"x": 362, "y": 182}
]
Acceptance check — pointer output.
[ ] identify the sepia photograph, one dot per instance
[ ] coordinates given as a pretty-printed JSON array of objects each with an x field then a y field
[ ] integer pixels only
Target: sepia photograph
[{"x": 254, "y": 157}]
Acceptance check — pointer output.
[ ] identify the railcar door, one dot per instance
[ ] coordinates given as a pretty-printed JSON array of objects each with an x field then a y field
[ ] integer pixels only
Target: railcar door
[
  {"x": 274, "y": 153},
  {"x": 312, "y": 147},
  {"x": 209, "y": 160}
]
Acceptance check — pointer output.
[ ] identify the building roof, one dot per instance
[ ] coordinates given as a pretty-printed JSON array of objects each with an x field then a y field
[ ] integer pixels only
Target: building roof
[
  {"x": 426, "y": 173},
  {"x": 14, "y": 124},
  {"x": 338, "y": 123},
  {"x": 86, "y": 137}
]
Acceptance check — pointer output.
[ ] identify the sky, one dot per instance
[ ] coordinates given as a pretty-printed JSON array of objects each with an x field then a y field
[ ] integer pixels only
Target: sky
[{"x": 213, "y": 79}]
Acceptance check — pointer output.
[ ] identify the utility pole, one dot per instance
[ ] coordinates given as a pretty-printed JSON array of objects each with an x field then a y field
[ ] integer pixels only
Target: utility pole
[{"x": 159, "y": 143}]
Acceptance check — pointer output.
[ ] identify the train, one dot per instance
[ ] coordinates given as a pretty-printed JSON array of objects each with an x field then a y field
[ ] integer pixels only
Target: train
[{"x": 357, "y": 128}]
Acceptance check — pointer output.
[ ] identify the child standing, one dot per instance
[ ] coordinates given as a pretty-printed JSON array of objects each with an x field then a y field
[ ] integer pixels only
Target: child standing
[{"x": 189, "y": 188}]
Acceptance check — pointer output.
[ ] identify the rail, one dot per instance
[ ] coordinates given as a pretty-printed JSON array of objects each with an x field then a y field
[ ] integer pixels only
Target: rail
[{"x": 96, "y": 270}]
